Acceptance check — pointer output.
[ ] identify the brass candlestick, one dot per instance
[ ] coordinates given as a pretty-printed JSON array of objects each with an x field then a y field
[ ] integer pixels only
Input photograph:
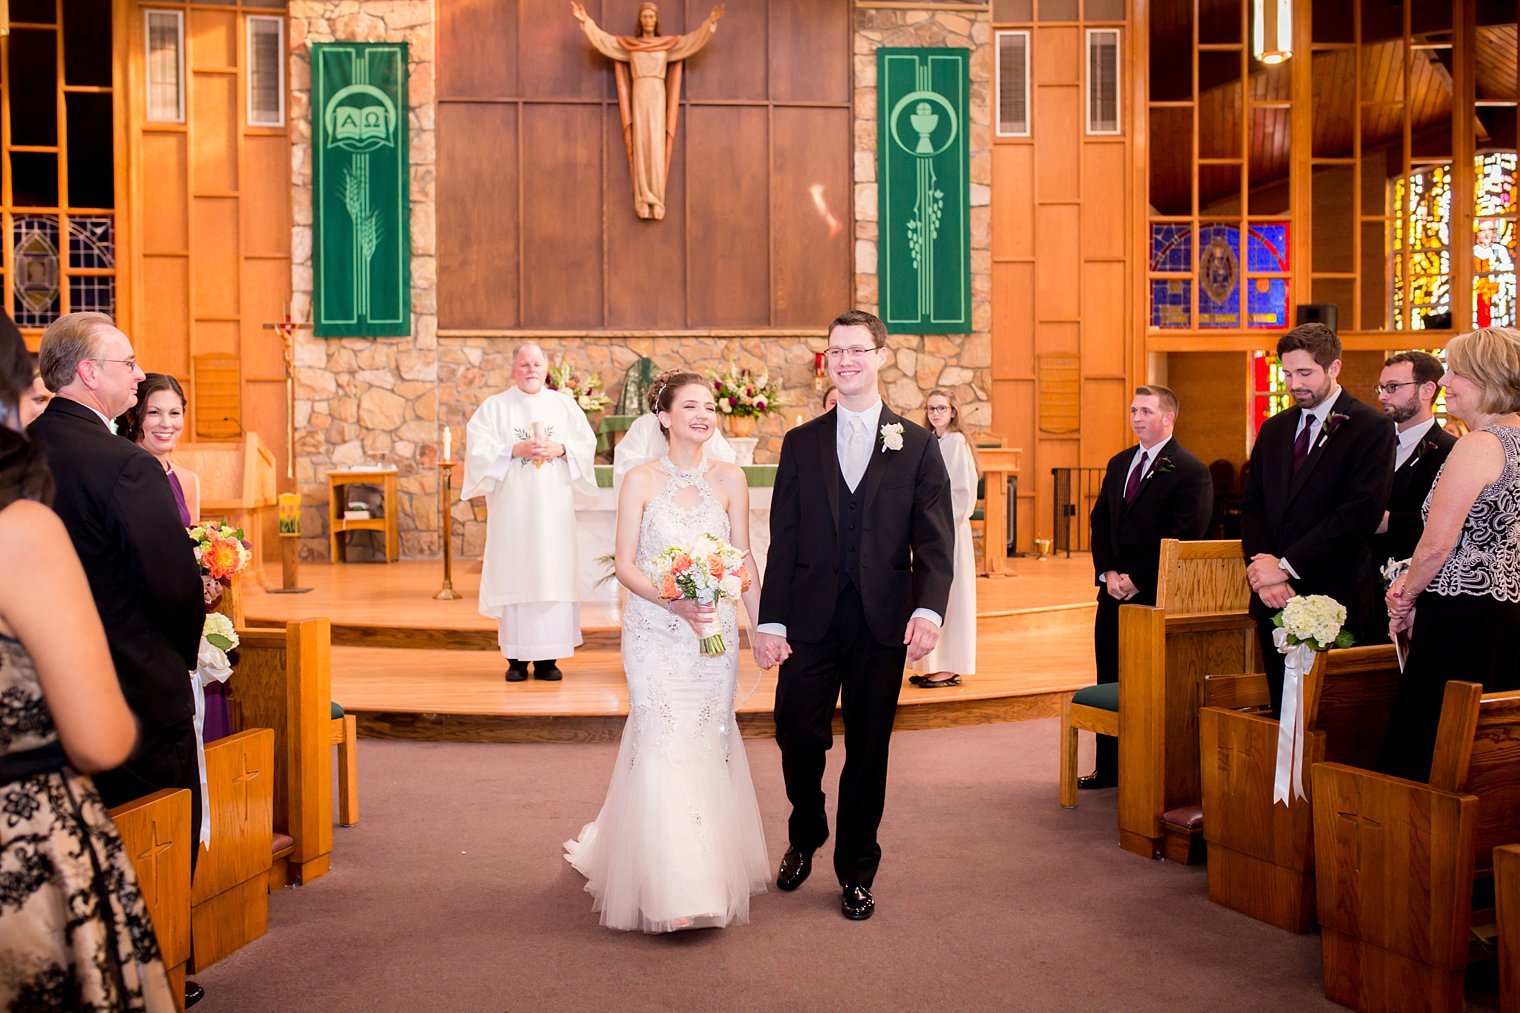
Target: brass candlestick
[{"x": 446, "y": 526}]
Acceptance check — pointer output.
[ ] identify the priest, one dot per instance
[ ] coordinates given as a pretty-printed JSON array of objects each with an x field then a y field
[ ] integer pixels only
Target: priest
[{"x": 528, "y": 451}]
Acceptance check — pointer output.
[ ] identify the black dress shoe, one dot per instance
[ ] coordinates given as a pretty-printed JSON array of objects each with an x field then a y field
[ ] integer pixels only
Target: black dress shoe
[
  {"x": 548, "y": 671},
  {"x": 193, "y": 993},
  {"x": 857, "y": 904},
  {"x": 517, "y": 673},
  {"x": 1087, "y": 782},
  {"x": 795, "y": 867}
]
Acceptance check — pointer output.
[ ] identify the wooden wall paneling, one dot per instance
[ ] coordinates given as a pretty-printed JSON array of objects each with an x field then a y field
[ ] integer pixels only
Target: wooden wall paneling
[
  {"x": 1104, "y": 223},
  {"x": 213, "y": 149},
  {"x": 1103, "y": 318},
  {"x": 162, "y": 338},
  {"x": 554, "y": 59},
  {"x": 1210, "y": 419},
  {"x": 1059, "y": 227},
  {"x": 1012, "y": 324},
  {"x": 211, "y": 40},
  {"x": 646, "y": 261},
  {"x": 479, "y": 38},
  {"x": 804, "y": 42},
  {"x": 163, "y": 173},
  {"x": 265, "y": 193},
  {"x": 735, "y": 64},
  {"x": 561, "y": 217},
  {"x": 266, "y": 290},
  {"x": 810, "y": 238},
  {"x": 1105, "y": 429},
  {"x": 1012, "y": 201},
  {"x": 478, "y": 216},
  {"x": 216, "y": 259},
  {"x": 216, "y": 336},
  {"x": 1057, "y": 123},
  {"x": 727, "y": 283}
]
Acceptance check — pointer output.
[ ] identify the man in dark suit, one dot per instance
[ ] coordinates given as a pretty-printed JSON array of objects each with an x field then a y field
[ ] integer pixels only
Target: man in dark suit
[
  {"x": 1318, "y": 484},
  {"x": 1153, "y": 491},
  {"x": 858, "y": 577},
  {"x": 120, "y": 513}
]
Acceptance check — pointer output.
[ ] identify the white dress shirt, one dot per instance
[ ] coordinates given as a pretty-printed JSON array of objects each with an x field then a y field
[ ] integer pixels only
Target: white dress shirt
[{"x": 1408, "y": 440}]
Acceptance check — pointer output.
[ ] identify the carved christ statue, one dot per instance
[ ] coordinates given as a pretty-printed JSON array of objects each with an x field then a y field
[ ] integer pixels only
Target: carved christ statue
[{"x": 649, "y": 107}]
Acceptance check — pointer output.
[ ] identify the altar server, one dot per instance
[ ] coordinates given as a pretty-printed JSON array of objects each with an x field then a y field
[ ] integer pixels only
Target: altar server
[{"x": 529, "y": 449}]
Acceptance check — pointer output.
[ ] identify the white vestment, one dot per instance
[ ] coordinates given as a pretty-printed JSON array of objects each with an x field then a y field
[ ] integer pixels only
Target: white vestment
[
  {"x": 530, "y": 524},
  {"x": 644, "y": 442},
  {"x": 956, "y": 650}
]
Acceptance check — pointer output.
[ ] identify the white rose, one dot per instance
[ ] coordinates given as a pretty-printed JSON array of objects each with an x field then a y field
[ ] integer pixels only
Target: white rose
[{"x": 730, "y": 586}]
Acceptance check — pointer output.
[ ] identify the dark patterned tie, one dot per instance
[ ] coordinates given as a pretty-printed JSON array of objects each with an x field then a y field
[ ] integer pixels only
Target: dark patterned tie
[
  {"x": 1301, "y": 445},
  {"x": 1133, "y": 485}
]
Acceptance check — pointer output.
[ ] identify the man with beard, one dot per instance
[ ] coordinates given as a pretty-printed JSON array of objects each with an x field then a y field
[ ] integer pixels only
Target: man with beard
[
  {"x": 1318, "y": 485},
  {"x": 1407, "y": 390}
]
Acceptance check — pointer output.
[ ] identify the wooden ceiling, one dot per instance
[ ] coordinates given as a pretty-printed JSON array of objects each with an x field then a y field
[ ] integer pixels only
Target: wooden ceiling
[{"x": 1222, "y": 116}]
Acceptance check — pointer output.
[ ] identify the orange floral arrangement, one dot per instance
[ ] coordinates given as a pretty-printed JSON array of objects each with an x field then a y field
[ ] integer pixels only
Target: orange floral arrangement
[{"x": 220, "y": 550}]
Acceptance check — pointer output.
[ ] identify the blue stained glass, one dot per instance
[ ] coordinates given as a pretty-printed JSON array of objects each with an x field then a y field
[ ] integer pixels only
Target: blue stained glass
[
  {"x": 1171, "y": 302},
  {"x": 1218, "y": 276},
  {"x": 91, "y": 242},
  {"x": 94, "y": 292},
  {"x": 1267, "y": 302},
  {"x": 1267, "y": 248},
  {"x": 1172, "y": 247}
]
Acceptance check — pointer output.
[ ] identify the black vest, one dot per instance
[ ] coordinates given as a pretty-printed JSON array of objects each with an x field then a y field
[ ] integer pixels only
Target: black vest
[{"x": 852, "y": 519}]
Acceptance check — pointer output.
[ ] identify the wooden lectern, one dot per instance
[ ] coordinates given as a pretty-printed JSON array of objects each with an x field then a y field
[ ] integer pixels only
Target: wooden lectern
[
  {"x": 996, "y": 464},
  {"x": 237, "y": 485}
]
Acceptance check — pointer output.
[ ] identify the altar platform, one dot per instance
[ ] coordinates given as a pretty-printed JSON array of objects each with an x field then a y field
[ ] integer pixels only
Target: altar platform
[{"x": 409, "y": 666}]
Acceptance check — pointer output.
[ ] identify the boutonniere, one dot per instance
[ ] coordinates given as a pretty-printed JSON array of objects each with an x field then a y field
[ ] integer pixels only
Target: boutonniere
[
  {"x": 1334, "y": 422},
  {"x": 1162, "y": 466},
  {"x": 1422, "y": 448},
  {"x": 891, "y": 437}
]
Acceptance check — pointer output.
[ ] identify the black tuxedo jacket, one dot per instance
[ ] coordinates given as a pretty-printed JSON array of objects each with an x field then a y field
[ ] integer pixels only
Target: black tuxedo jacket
[
  {"x": 1175, "y": 500},
  {"x": 1320, "y": 520},
  {"x": 907, "y": 544},
  {"x": 1411, "y": 484},
  {"x": 115, "y": 501}
]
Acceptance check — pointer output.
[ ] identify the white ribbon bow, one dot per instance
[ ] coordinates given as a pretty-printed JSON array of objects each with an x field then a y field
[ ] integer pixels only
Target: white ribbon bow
[
  {"x": 1297, "y": 660},
  {"x": 212, "y": 666}
]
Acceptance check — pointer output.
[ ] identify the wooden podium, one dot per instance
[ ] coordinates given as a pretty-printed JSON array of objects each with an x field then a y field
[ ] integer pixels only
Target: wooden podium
[
  {"x": 996, "y": 464},
  {"x": 238, "y": 486}
]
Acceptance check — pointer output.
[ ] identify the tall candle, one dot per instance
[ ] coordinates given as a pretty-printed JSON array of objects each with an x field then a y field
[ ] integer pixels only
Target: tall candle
[{"x": 448, "y": 444}]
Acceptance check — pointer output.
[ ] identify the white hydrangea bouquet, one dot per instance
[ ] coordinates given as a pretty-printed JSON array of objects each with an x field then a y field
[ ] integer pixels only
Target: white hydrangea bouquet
[
  {"x": 1307, "y": 624},
  {"x": 705, "y": 570}
]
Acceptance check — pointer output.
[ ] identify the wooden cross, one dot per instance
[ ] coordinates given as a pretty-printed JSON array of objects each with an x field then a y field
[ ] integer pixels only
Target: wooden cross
[
  {"x": 148, "y": 860},
  {"x": 287, "y": 328},
  {"x": 240, "y": 784}
]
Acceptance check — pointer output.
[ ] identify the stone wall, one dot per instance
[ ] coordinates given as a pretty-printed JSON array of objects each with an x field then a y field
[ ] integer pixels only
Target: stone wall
[{"x": 383, "y": 401}]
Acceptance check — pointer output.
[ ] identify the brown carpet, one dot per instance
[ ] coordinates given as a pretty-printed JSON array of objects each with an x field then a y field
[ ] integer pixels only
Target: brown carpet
[{"x": 451, "y": 895}]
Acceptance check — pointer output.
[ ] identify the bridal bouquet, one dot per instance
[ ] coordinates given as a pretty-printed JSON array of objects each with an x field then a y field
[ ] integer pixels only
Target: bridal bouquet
[
  {"x": 220, "y": 550},
  {"x": 705, "y": 570}
]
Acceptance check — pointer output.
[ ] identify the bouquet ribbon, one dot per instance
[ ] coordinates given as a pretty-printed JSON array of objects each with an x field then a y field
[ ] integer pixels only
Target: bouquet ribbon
[
  {"x": 1297, "y": 660},
  {"x": 212, "y": 667}
]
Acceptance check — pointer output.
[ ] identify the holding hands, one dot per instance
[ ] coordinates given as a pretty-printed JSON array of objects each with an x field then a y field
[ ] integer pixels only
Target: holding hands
[{"x": 769, "y": 649}]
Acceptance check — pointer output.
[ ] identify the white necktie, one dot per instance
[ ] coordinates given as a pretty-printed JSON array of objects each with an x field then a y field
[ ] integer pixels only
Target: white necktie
[{"x": 857, "y": 453}]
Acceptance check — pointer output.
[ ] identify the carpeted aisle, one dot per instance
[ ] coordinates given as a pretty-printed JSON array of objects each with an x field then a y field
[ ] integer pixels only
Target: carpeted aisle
[{"x": 452, "y": 895}]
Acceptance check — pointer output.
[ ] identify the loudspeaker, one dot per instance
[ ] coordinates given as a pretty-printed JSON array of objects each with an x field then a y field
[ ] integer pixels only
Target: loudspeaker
[{"x": 1316, "y": 313}]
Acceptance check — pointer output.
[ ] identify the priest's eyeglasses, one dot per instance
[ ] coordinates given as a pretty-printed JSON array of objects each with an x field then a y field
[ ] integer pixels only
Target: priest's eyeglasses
[{"x": 1393, "y": 388}]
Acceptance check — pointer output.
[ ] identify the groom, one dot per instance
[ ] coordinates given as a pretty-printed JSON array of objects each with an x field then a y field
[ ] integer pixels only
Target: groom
[{"x": 861, "y": 552}]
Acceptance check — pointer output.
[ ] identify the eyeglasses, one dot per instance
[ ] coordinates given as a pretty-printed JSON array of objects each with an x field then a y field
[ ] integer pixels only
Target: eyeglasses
[
  {"x": 936, "y": 408},
  {"x": 131, "y": 364},
  {"x": 1393, "y": 388},
  {"x": 834, "y": 354}
]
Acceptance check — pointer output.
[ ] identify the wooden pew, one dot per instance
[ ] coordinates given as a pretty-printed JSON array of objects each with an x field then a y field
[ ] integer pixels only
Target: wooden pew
[
  {"x": 1198, "y": 626},
  {"x": 1397, "y": 860},
  {"x": 1507, "y": 896},
  {"x": 1261, "y": 855},
  {"x": 283, "y": 682},
  {"x": 155, "y": 830},
  {"x": 230, "y": 896}
]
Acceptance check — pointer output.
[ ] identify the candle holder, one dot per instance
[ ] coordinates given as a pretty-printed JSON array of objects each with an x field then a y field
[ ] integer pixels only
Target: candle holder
[{"x": 446, "y": 527}]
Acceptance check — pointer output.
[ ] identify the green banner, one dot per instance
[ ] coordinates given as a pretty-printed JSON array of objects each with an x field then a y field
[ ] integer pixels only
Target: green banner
[
  {"x": 923, "y": 180},
  {"x": 361, "y": 241}
]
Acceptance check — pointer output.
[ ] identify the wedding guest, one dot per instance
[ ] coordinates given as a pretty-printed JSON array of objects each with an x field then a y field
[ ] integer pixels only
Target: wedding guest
[
  {"x": 1318, "y": 483},
  {"x": 156, "y": 423},
  {"x": 955, "y": 654},
  {"x": 74, "y": 931},
  {"x": 1151, "y": 491},
  {"x": 1459, "y": 602},
  {"x": 830, "y": 398},
  {"x": 644, "y": 442}
]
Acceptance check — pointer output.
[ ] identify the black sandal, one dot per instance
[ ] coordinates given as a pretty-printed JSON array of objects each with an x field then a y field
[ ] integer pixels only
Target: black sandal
[{"x": 927, "y": 683}]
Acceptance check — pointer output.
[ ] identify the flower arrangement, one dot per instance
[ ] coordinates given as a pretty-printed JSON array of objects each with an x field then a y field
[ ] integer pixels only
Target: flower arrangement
[
  {"x": 891, "y": 437},
  {"x": 744, "y": 393},
  {"x": 220, "y": 550},
  {"x": 586, "y": 390},
  {"x": 218, "y": 632},
  {"x": 1315, "y": 621},
  {"x": 705, "y": 570}
]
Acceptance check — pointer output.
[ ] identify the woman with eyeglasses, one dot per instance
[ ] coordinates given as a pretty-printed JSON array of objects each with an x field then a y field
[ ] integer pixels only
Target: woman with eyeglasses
[
  {"x": 1458, "y": 604},
  {"x": 955, "y": 655}
]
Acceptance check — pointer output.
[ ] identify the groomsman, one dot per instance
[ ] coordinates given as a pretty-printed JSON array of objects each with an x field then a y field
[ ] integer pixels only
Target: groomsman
[
  {"x": 1407, "y": 390},
  {"x": 1318, "y": 484},
  {"x": 1153, "y": 491}
]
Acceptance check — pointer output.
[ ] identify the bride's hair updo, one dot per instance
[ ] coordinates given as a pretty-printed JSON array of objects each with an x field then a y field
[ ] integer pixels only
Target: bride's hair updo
[{"x": 662, "y": 393}]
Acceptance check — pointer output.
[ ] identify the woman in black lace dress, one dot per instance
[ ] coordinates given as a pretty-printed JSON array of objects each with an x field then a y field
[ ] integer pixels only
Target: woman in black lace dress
[
  {"x": 1460, "y": 599},
  {"x": 74, "y": 932}
]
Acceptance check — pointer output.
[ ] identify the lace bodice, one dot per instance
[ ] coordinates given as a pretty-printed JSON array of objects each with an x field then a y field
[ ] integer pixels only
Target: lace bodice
[
  {"x": 1486, "y": 559},
  {"x": 25, "y": 721},
  {"x": 683, "y": 509}
]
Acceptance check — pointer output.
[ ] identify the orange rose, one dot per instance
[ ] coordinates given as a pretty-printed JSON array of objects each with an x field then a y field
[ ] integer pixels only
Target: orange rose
[
  {"x": 743, "y": 574},
  {"x": 680, "y": 564},
  {"x": 668, "y": 587},
  {"x": 715, "y": 566}
]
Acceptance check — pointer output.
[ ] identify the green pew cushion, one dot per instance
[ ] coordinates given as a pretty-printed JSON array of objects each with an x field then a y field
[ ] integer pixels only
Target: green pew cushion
[
  {"x": 1104, "y": 696},
  {"x": 337, "y": 711}
]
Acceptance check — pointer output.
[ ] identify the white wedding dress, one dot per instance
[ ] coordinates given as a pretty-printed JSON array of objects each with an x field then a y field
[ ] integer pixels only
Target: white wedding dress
[{"x": 678, "y": 843}]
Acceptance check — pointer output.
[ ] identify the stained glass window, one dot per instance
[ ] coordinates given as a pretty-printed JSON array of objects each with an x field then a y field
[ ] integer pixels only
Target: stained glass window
[
  {"x": 1233, "y": 284},
  {"x": 34, "y": 295},
  {"x": 1270, "y": 389},
  {"x": 1494, "y": 228}
]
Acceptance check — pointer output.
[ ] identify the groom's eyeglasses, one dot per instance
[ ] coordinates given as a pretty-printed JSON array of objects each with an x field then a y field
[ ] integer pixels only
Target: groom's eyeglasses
[
  {"x": 834, "y": 354},
  {"x": 1393, "y": 388}
]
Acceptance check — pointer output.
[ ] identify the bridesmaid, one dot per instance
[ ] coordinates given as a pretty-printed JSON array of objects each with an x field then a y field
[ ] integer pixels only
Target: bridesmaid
[{"x": 955, "y": 654}]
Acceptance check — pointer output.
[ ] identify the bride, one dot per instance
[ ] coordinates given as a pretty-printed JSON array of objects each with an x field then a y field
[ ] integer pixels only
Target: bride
[{"x": 678, "y": 843}]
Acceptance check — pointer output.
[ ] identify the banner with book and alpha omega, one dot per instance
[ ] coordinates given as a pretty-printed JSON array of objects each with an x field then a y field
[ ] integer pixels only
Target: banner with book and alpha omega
[
  {"x": 361, "y": 241},
  {"x": 923, "y": 163}
]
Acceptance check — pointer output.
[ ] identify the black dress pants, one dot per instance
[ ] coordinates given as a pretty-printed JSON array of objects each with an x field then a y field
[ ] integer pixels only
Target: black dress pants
[
  {"x": 852, "y": 666},
  {"x": 164, "y": 758},
  {"x": 1106, "y": 653}
]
